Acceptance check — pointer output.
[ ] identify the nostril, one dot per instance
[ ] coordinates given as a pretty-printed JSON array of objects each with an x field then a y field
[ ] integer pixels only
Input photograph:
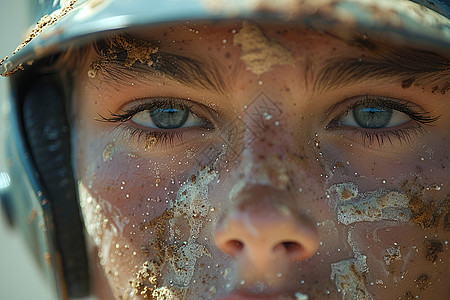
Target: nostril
[
  {"x": 292, "y": 249},
  {"x": 292, "y": 246},
  {"x": 233, "y": 247}
]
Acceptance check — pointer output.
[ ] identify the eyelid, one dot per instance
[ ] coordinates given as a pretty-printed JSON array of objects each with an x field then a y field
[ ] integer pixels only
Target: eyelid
[
  {"x": 413, "y": 110},
  {"x": 155, "y": 102},
  {"x": 149, "y": 137},
  {"x": 138, "y": 105},
  {"x": 395, "y": 135}
]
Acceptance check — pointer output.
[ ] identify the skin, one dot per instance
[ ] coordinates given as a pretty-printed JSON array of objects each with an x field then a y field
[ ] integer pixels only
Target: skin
[{"x": 272, "y": 187}]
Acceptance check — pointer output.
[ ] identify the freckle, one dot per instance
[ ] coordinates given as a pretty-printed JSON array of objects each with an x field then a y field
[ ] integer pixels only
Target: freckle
[{"x": 228, "y": 55}]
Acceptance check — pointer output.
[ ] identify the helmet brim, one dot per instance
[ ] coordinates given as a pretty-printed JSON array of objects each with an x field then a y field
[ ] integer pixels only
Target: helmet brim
[{"x": 401, "y": 21}]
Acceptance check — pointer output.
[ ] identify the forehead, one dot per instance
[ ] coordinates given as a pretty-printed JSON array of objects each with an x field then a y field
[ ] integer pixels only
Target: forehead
[
  {"x": 192, "y": 37},
  {"x": 225, "y": 45},
  {"x": 202, "y": 33}
]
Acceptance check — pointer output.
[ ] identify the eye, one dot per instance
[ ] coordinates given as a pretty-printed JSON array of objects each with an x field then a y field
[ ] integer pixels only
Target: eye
[
  {"x": 167, "y": 117},
  {"x": 159, "y": 121},
  {"x": 376, "y": 119},
  {"x": 373, "y": 116}
]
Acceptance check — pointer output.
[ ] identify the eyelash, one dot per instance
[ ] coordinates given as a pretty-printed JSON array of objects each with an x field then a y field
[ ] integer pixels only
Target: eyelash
[
  {"x": 369, "y": 136},
  {"x": 165, "y": 137}
]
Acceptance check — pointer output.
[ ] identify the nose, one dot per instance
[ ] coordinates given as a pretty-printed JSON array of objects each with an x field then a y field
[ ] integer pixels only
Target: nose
[{"x": 263, "y": 229}]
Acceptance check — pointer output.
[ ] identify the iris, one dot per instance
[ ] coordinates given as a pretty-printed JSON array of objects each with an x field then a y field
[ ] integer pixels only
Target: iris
[
  {"x": 371, "y": 117},
  {"x": 169, "y": 118}
]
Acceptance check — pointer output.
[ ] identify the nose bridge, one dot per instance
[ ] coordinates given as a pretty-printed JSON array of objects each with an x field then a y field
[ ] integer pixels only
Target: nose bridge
[
  {"x": 266, "y": 151},
  {"x": 263, "y": 226},
  {"x": 264, "y": 124},
  {"x": 264, "y": 165}
]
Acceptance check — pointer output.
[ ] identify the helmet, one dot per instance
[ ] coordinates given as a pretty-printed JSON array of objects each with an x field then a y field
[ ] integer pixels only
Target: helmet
[
  {"x": 37, "y": 188},
  {"x": 418, "y": 21}
]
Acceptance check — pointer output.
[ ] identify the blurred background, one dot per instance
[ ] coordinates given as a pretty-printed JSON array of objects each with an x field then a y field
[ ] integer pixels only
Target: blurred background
[{"x": 19, "y": 276}]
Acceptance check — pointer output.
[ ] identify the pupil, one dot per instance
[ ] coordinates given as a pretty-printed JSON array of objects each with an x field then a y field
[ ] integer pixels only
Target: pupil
[
  {"x": 372, "y": 117},
  {"x": 169, "y": 118}
]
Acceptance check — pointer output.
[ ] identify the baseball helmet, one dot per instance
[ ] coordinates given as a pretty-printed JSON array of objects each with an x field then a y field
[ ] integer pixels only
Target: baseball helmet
[{"x": 37, "y": 187}]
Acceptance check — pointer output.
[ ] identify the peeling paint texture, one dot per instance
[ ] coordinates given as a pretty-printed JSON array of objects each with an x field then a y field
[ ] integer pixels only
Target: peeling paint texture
[
  {"x": 352, "y": 207},
  {"x": 349, "y": 277},
  {"x": 191, "y": 206}
]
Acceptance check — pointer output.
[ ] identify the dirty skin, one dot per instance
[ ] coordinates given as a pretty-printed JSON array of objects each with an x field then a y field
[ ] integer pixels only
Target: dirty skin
[
  {"x": 259, "y": 53},
  {"x": 377, "y": 205},
  {"x": 349, "y": 277},
  {"x": 427, "y": 215},
  {"x": 176, "y": 254},
  {"x": 135, "y": 50},
  {"x": 408, "y": 205}
]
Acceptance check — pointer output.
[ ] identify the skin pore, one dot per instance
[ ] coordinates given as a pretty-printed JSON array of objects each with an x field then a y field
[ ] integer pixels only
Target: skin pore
[{"x": 270, "y": 187}]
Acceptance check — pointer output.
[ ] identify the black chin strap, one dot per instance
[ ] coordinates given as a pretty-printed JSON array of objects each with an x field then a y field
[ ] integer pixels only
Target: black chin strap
[{"x": 48, "y": 136}]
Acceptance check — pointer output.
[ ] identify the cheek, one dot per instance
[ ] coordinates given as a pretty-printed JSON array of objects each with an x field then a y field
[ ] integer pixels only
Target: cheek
[
  {"x": 386, "y": 166},
  {"x": 119, "y": 196},
  {"x": 133, "y": 189},
  {"x": 140, "y": 209},
  {"x": 402, "y": 259},
  {"x": 395, "y": 208}
]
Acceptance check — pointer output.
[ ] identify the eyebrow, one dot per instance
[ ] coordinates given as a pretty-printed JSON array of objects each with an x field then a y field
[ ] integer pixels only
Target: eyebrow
[
  {"x": 183, "y": 69},
  {"x": 409, "y": 66}
]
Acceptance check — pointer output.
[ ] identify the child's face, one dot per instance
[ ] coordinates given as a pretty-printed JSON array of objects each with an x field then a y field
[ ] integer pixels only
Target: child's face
[{"x": 264, "y": 160}]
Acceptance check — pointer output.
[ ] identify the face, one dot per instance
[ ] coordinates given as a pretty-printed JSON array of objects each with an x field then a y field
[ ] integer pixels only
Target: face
[{"x": 262, "y": 161}]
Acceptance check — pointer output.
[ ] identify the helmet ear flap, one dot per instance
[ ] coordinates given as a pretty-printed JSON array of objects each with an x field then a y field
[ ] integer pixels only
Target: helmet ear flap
[{"x": 48, "y": 136}]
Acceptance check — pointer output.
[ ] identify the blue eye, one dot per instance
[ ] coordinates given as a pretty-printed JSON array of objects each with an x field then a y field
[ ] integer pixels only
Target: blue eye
[
  {"x": 168, "y": 117},
  {"x": 373, "y": 117},
  {"x": 162, "y": 121},
  {"x": 376, "y": 119}
]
